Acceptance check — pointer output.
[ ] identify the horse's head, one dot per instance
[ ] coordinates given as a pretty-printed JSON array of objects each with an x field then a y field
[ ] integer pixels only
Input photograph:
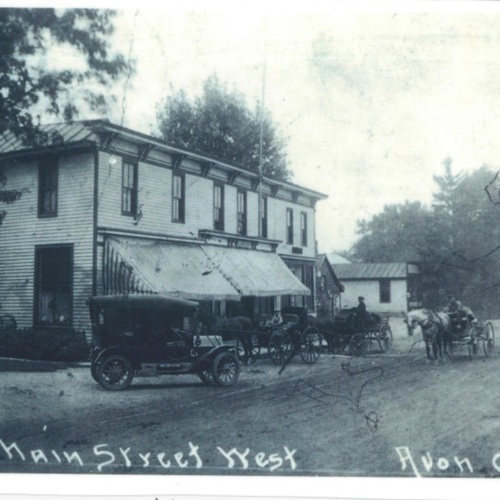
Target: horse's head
[{"x": 415, "y": 318}]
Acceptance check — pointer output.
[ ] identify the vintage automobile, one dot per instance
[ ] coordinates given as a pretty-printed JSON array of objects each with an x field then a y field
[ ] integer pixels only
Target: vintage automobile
[{"x": 146, "y": 335}]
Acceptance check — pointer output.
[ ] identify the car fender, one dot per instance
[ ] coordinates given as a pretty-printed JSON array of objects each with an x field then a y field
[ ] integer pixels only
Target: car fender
[
  {"x": 210, "y": 355},
  {"x": 114, "y": 350}
]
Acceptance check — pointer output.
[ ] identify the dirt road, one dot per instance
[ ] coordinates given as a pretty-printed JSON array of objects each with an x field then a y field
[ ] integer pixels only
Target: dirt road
[{"x": 391, "y": 414}]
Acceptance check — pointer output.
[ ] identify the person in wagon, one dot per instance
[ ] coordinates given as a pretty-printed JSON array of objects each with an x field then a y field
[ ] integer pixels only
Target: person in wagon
[
  {"x": 456, "y": 307},
  {"x": 362, "y": 314}
]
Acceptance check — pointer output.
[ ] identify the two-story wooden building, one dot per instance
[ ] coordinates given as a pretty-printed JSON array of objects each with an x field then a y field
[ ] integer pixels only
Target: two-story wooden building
[{"x": 108, "y": 210}]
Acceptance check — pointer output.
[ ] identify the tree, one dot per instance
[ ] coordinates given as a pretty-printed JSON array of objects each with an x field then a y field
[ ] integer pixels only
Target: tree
[
  {"x": 399, "y": 233},
  {"x": 220, "y": 123},
  {"x": 31, "y": 83}
]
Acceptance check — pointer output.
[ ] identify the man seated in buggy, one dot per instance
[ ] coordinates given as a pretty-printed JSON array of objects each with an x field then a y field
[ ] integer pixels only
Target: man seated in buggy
[
  {"x": 460, "y": 315},
  {"x": 363, "y": 317}
]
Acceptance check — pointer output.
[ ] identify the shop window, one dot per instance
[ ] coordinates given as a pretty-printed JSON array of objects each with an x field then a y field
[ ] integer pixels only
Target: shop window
[
  {"x": 54, "y": 285},
  {"x": 129, "y": 188},
  {"x": 48, "y": 172}
]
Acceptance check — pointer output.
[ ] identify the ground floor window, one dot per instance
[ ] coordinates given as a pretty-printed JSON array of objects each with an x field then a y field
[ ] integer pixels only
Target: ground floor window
[
  {"x": 385, "y": 291},
  {"x": 53, "y": 285}
]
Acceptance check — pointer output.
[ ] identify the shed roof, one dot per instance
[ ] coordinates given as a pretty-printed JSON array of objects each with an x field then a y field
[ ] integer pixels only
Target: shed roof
[{"x": 377, "y": 270}]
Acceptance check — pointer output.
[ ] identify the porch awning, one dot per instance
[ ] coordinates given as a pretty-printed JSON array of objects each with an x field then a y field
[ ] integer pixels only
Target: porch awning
[
  {"x": 170, "y": 269},
  {"x": 254, "y": 273}
]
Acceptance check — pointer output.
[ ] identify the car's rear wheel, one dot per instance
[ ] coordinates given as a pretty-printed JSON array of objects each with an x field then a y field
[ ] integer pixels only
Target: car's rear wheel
[
  {"x": 225, "y": 368},
  {"x": 115, "y": 372}
]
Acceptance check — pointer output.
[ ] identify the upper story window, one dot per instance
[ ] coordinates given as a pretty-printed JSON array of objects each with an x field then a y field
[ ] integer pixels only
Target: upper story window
[
  {"x": 289, "y": 226},
  {"x": 129, "y": 188},
  {"x": 219, "y": 207},
  {"x": 242, "y": 213},
  {"x": 303, "y": 229},
  {"x": 178, "y": 198},
  {"x": 263, "y": 217},
  {"x": 48, "y": 171}
]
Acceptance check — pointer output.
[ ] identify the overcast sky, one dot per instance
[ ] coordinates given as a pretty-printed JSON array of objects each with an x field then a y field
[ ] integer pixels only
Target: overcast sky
[{"x": 372, "y": 102}]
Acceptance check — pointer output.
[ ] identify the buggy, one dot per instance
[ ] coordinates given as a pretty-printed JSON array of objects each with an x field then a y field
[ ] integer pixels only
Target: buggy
[
  {"x": 294, "y": 335},
  {"x": 472, "y": 337},
  {"x": 357, "y": 335},
  {"x": 145, "y": 335}
]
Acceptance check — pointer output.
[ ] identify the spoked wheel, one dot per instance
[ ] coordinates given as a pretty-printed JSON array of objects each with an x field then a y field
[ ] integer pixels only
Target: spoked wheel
[
  {"x": 115, "y": 372},
  {"x": 93, "y": 370},
  {"x": 249, "y": 349},
  {"x": 357, "y": 346},
  {"x": 473, "y": 348},
  {"x": 274, "y": 347},
  {"x": 337, "y": 344},
  {"x": 206, "y": 377},
  {"x": 385, "y": 338},
  {"x": 489, "y": 340},
  {"x": 310, "y": 345},
  {"x": 225, "y": 369}
]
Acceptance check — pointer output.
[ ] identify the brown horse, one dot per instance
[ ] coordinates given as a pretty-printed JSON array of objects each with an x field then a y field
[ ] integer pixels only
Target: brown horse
[{"x": 435, "y": 330}]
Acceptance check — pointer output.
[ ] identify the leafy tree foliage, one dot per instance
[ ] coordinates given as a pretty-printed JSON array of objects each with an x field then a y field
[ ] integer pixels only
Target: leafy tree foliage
[
  {"x": 31, "y": 83},
  {"x": 220, "y": 123},
  {"x": 457, "y": 240}
]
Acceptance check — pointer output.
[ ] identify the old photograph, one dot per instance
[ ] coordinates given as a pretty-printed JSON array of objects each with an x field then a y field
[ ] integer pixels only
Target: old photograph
[{"x": 250, "y": 241}]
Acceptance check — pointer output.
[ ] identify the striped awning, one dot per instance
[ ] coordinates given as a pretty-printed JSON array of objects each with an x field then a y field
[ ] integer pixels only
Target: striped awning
[
  {"x": 255, "y": 273},
  {"x": 170, "y": 269}
]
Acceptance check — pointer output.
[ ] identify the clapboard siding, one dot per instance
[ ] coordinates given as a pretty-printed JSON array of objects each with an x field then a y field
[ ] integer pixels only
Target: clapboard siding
[{"x": 23, "y": 230}]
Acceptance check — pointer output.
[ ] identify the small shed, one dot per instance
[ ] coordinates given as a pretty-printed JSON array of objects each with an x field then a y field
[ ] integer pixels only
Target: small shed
[{"x": 392, "y": 287}]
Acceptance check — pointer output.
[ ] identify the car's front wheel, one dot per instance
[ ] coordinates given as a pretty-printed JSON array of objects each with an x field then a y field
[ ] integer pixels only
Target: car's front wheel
[
  {"x": 115, "y": 372},
  {"x": 225, "y": 368}
]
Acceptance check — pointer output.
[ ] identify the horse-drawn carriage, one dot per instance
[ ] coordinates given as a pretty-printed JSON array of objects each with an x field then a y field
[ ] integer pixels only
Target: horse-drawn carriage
[
  {"x": 357, "y": 334},
  {"x": 282, "y": 340},
  {"x": 473, "y": 337},
  {"x": 452, "y": 333}
]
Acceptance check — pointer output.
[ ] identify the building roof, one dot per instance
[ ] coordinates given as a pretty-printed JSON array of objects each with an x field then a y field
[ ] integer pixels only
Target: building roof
[
  {"x": 99, "y": 131},
  {"x": 323, "y": 260},
  {"x": 366, "y": 271},
  {"x": 335, "y": 258}
]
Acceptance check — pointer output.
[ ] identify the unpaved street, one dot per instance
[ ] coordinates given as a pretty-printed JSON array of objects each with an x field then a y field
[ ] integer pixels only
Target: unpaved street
[{"x": 382, "y": 415}]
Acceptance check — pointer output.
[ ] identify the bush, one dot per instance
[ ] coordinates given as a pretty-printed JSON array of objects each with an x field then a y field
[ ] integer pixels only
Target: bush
[{"x": 44, "y": 344}]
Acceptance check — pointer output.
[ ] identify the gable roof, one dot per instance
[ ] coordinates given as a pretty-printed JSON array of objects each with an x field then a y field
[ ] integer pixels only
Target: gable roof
[
  {"x": 322, "y": 259},
  {"x": 378, "y": 270},
  {"x": 335, "y": 258}
]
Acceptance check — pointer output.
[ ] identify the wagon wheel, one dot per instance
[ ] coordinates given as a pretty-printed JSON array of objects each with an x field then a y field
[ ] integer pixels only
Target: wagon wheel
[
  {"x": 310, "y": 345},
  {"x": 337, "y": 343},
  {"x": 274, "y": 346},
  {"x": 473, "y": 346},
  {"x": 225, "y": 368},
  {"x": 489, "y": 339},
  {"x": 385, "y": 337},
  {"x": 254, "y": 347},
  {"x": 287, "y": 346},
  {"x": 115, "y": 372},
  {"x": 357, "y": 346}
]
